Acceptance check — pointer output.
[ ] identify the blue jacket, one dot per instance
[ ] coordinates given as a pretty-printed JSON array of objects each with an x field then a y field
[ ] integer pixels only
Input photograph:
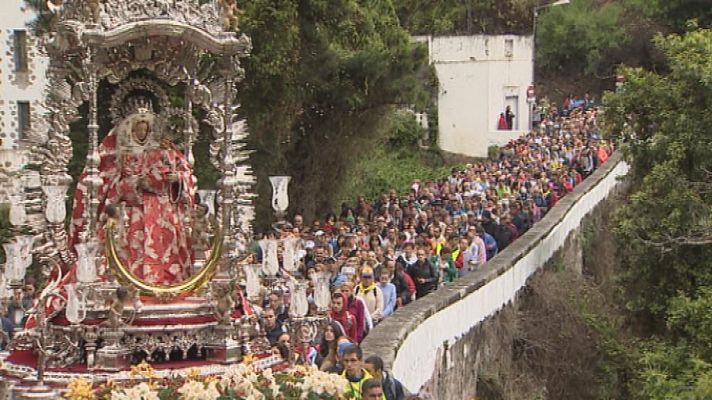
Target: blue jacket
[
  {"x": 389, "y": 298},
  {"x": 490, "y": 245}
]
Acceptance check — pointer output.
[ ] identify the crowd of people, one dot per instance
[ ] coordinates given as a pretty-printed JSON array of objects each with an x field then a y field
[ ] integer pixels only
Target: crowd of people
[{"x": 384, "y": 254}]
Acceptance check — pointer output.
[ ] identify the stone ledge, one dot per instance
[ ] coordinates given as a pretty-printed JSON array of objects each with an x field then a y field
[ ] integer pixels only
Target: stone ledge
[{"x": 388, "y": 336}]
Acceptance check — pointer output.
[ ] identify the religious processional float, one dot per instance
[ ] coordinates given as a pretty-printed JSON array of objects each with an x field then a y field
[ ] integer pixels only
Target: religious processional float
[{"x": 151, "y": 287}]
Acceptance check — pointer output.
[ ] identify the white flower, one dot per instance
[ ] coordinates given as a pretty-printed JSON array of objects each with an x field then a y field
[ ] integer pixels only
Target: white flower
[
  {"x": 319, "y": 382},
  {"x": 139, "y": 392},
  {"x": 195, "y": 390}
]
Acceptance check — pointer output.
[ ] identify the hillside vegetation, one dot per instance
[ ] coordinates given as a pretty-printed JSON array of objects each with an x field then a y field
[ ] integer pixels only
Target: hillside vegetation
[
  {"x": 665, "y": 231},
  {"x": 638, "y": 326},
  {"x": 579, "y": 45}
]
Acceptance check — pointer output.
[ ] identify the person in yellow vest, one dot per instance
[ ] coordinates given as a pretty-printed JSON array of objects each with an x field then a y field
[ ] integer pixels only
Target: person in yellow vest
[
  {"x": 437, "y": 241},
  {"x": 355, "y": 373}
]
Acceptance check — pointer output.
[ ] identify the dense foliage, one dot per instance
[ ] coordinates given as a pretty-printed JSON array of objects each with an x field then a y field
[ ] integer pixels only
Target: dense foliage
[
  {"x": 578, "y": 36},
  {"x": 592, "y": 37},
  {"x": 5, "y": 228},
  {"x": 665, "y": 232},
  {"x": 322, "y": 79},
  {"x": 394, "y": 162},
  {"x": 466, "y": 17}
]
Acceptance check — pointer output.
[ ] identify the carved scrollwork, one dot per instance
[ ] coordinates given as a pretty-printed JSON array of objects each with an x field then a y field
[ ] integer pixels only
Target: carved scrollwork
[
  {"x": 64, "y": 350},
  {"x": 166, "y": 342},
  {"x": 165, "y": 57},
  {"x": 109, "y": 14}
]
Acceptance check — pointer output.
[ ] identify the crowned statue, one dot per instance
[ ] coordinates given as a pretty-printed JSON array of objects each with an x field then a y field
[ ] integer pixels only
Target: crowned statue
[
  {"x": 151, "y": 183},
  {"x": 142, "y": 271}
]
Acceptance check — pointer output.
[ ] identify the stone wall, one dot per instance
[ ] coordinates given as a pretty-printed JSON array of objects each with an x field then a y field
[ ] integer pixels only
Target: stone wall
[{"x": 439, "y": 343}]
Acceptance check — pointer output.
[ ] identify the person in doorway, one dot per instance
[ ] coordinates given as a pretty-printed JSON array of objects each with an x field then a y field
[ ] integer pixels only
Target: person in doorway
[
  {"x": 502, "y": 123},
  {"x": 509, "y": 116}
]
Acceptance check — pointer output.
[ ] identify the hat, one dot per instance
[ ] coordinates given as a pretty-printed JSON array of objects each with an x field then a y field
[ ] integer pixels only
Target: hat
[
  {"x": 318, "y": 233},
  {"x": 342, "y": 348},
  {"x": 367, "y": 272},
  {"x": 309, "y": 244}
]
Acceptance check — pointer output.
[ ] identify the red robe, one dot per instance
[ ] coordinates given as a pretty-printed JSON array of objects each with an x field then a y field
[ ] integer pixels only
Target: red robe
[
  {"x": 502, "y": 123},
  {"x": 154, "y": 244}
]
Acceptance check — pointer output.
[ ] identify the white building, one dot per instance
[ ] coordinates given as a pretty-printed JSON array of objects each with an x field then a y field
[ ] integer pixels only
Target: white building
[
  {"x": 479, "y": 76},
  {"x": 22, "y": 82}
]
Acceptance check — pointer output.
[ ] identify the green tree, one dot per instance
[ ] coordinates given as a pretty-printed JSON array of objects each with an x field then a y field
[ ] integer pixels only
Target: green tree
[
  {"x": 5, "y": 228},
  {"x": 466, "y": 16},
  {"x": 665, "y": 231},
  {"x": 666, "y": 227},
  {"x": 673, "y": 14},
  {"x": 322, "y": 79},
  {"x": 394, "y": 162},
  {"x": 580, "y": 37}
]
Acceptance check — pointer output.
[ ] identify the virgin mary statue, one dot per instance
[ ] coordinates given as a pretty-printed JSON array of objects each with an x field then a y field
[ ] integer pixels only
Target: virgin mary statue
[{"x": 151, "y": 183}]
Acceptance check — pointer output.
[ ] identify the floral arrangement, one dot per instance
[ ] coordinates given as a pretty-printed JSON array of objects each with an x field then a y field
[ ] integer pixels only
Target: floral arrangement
[{"x": 240, "y": 382}]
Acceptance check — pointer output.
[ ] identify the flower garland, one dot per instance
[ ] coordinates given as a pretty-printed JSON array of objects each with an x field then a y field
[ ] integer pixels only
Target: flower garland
[{"x": 240, "y": 382}]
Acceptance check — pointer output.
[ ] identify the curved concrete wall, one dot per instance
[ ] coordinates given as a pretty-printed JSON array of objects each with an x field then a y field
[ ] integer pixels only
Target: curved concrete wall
[{"x": 409, "y": 340}]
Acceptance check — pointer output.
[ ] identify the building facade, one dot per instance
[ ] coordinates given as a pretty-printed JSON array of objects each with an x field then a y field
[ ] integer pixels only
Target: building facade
[
  {"x": 22, "y": 85},
  {"x": 479, "y": 77}
]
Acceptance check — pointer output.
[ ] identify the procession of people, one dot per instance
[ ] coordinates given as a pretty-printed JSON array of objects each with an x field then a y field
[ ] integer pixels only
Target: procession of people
[{"x": 386, "y": 253}]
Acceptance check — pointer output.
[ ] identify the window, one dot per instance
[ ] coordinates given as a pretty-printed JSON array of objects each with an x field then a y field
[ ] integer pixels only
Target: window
[
  {"x": 20, "y": 40},
  {"x": 23, "y": 118},
  {"x": 509, "y": 48}
]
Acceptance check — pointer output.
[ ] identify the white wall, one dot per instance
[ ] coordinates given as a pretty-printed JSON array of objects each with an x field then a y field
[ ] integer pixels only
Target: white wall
[
  {"x": 14, "y": 87},
  {"x": 476, "y": 77},
  {"x": 415, "y": 359}
]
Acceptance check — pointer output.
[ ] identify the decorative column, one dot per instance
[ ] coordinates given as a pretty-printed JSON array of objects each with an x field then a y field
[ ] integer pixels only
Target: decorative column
[
  {"x": 93, "y": 181},
  {"x": 228, "y": 181}
]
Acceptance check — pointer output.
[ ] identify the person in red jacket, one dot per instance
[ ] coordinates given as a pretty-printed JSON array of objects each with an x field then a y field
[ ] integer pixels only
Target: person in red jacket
[
  {"x": 502, "y": 123},
  {"x": 340, "y": 313},
  {"x": 405, "y": 287},
  {"x": 357, "y": 308}
]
